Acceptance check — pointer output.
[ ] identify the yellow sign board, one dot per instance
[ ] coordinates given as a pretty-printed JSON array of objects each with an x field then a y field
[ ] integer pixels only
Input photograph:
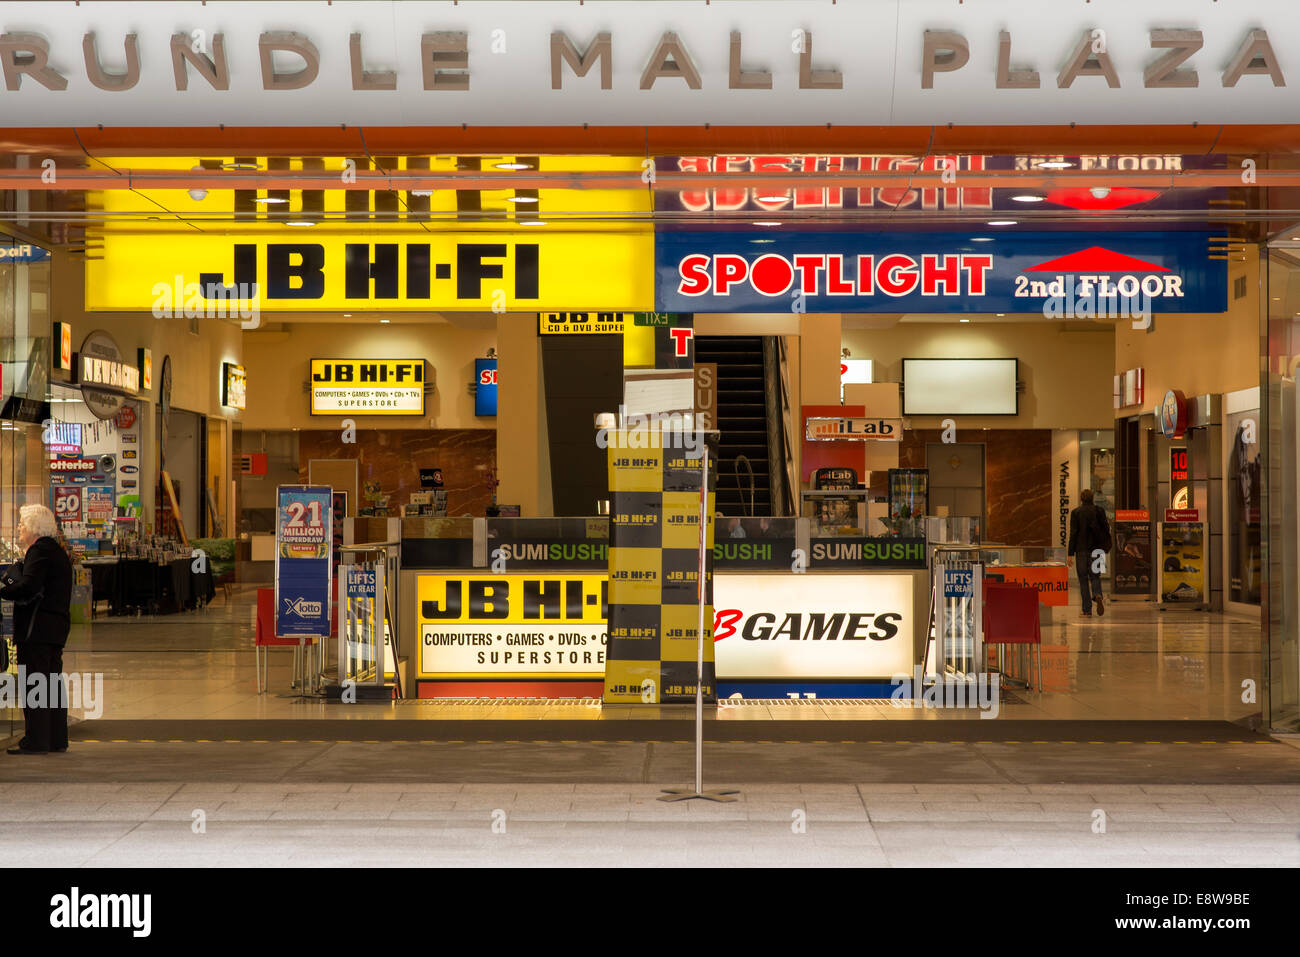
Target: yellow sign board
[
  {"x": 367, "y": 386},
  {"x": 583, "y": 323},
  {"x": 534, "y": 625},
  {"x": 224, "y": 254}
]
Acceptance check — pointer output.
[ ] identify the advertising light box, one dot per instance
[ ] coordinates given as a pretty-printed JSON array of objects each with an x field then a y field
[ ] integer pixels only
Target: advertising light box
[
  {"x": 367, "y": 386},
  {"x": 831, "y": 627},
  {"x": 485, "y": 387},
  {"x": 519, "y": 625},
  {"x": 1097, "y": 276},
  {"x": 813, "y": 626}
]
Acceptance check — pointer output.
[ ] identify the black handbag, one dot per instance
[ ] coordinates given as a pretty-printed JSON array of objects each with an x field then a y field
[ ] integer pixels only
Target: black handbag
[{"x": 10, "y": 576}]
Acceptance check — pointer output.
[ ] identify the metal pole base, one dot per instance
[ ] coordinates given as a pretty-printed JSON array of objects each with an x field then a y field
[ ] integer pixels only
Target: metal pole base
[{"x": 721, "y": 795}]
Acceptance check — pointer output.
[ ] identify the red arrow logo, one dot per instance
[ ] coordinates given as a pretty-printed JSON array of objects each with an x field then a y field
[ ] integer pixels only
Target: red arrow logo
[{"x": 1096, "y": 259}]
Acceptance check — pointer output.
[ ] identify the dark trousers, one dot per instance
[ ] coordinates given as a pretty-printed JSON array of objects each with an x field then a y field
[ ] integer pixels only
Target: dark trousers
[
  {"x": 1089, "y": 581},
  {"x": 47, "y": 726}
]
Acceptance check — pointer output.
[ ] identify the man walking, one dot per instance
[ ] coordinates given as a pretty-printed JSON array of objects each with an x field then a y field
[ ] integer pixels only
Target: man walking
[{"x": 1089, "y": 531}]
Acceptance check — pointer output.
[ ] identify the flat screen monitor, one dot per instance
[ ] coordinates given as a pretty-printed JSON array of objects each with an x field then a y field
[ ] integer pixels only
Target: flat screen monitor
[{"x": 960, "y": 387}]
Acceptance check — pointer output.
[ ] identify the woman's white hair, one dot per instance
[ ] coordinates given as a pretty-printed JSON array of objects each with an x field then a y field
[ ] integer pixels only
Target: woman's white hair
[{"x": 39, "y": 521}]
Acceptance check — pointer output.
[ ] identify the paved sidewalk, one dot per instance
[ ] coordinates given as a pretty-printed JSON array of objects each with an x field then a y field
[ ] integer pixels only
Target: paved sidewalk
[{"x": 431, "y": 824}]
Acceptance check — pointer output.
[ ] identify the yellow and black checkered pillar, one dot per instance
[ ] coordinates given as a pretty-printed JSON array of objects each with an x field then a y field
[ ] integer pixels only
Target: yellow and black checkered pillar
[{"x": 654, "y": 481}]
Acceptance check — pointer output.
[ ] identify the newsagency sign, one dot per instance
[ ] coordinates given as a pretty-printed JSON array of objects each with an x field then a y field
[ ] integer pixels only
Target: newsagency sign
[
  {"x": 367, "y": 386},
  {"x": 675, "y": 63}
]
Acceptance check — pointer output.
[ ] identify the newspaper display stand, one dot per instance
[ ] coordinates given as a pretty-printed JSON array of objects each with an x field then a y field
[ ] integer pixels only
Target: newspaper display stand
[
  {"x": 956, "y": 634},
  {"x": 367, "y": 644}
]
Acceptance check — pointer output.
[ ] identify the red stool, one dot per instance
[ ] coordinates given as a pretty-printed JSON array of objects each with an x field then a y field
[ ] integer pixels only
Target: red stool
[{"x": 1011, "y": 618}]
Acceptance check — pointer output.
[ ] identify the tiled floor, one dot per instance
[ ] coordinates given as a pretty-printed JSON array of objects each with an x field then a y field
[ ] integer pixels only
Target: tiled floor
[
  {"x": 439, "y": 825},
  {"x": 1135, "y": 663}
]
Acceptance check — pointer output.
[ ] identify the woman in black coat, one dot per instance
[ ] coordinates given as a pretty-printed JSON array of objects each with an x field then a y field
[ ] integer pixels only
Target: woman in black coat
[{"x": 40, "y": 586}]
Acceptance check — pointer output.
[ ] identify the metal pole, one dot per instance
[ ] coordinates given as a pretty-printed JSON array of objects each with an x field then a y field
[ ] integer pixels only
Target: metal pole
[
  {"x": 699, "y": 633},
  {"x": 684, "y": 794}
]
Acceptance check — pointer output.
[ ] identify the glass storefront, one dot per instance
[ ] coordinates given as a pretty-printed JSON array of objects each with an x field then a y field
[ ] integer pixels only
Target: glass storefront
[
  {"x": 24, "y": 378},
  {"x": 1280, "y": 468}
]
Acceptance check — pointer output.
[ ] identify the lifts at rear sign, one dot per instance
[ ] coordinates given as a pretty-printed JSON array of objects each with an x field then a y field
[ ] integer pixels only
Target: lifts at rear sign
[{"x": 367, "y": 386}]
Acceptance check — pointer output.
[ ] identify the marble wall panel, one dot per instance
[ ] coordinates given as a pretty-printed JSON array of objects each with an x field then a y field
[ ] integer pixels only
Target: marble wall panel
[{"x": 394, "y": 458}]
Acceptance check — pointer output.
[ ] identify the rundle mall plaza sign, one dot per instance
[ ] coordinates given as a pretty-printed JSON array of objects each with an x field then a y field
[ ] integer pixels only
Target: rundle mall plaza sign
[{"x": 492, "y": 62}]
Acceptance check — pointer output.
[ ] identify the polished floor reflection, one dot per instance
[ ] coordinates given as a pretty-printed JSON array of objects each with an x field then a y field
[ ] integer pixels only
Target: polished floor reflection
[{"x": 1136, "y": 663}]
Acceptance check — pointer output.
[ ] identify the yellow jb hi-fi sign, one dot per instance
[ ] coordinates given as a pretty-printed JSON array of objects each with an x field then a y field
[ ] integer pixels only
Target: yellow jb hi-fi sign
[
  {"x": 514, "y": 625},
  {"x": 436, "y": 252}
]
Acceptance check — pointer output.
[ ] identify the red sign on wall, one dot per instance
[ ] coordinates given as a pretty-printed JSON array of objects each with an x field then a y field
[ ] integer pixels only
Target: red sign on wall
[{"x": 1182, "y": 515}]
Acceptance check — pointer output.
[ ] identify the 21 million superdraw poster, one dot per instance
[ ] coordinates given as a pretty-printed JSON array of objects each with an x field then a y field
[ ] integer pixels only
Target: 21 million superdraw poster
[{"x": 303, "y": 537}]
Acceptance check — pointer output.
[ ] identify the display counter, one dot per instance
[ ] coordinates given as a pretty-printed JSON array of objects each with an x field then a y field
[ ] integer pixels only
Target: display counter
[
  {"x": 517, "y": 607},
  {"x": 1045, "y": 569}
]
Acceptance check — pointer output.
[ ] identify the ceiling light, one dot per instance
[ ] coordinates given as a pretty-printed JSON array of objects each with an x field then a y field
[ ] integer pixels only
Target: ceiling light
[
  {"x": 766, "y": 222},
  {"x": 532, "y": 222},
  {"x": 761, "y": 241},
  {"x": 299, "y": 222},
  {"x": 198, "y": 193},
  {"x": 1027, "y": 198},
  {"x": 999, "y": 314},
  {"x": 269, "y": 199},
  {"x": 521, "y": 199},
  {"x": 963, "y": 320},
  {"x": 775, "y": 198},
  {"x": 981, "y": 239},
  {"x": 385, "y": 321},
  {"x": 1002, "y": 222},
  {"x": 512, "y": 165},
  {"x": 1055, "y": 164},
  {"x": 347, "y": 315}
]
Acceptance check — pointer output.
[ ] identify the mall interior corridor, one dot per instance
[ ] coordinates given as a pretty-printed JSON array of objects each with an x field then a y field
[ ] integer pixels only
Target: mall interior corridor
[{"x": 1137, "y": 662}]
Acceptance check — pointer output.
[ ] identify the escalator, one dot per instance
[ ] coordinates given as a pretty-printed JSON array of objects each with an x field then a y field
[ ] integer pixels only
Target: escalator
[{"x": 744, "y": 404}]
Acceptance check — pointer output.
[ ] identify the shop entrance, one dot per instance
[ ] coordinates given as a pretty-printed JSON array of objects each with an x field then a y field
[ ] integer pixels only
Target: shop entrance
[{"x": 956, "y": 479}]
